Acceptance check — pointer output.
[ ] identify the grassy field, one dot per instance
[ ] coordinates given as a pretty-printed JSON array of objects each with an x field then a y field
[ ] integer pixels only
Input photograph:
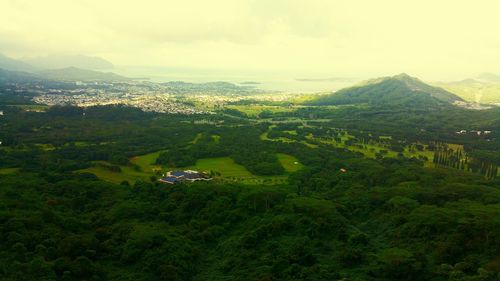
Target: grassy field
[
  {"x": 289, "y": 163},
  {"x": 7, "y": 171},
  {"x": 147, "y": 162},
  {"x": 126, "y": 174},
  {"x": 31, "y": 107},
  {"x": 79, "y": 143},
  {"x": 455, "y": 147},
  {"x": 45, "y": 146},
  {"x": 254, "y": 110},
  {"x": 372, "y": 149},
  {"x": 48, "y": 146},
  {"x": 265, "y": 136},
  {"x": 197, "y": 138},
  {"x": 216, "y": 139},
  {"x": 291, "y": 132},
  {"x": 225, "y": 166},
  {"x": 229, "y": 170}
]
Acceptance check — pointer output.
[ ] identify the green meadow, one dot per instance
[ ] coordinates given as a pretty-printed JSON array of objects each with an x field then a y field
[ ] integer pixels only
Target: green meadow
[
  {"x": 127, "y": 173},
  {"x": 8, "y": 171},
  {"x": 289, "y": 163},
  {"x": 216, "y": 139},
  {"x": 147, "y": 162},
  {"x": 197, "y": 138},
  {"x": 224, "y": 168},
  {"x": 223, "y": 165},
  {"x": 31, "y": 107},
  {"x": 265, "y": 136},
  {"x": 255, "y": 110}
]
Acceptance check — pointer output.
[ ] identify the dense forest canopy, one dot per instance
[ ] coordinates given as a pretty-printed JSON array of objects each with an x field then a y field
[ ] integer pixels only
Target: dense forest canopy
[{"x": 351, "y": 192}]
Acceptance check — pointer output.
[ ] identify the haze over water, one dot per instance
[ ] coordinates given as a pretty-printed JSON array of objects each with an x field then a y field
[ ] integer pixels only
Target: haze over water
[
  {"x": 273, "y": 81},
  {"x": 284, "y": 40}
]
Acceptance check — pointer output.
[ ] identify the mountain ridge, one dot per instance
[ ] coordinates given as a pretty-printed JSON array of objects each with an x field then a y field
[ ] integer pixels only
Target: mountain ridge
[
  {"x": 65, "y": 61},
  {"x": 9, "y": 63},
  {"x": 401, "y": 90},
  {"x": 70, "y": 74},
  {"x": 79, "y": 74}
]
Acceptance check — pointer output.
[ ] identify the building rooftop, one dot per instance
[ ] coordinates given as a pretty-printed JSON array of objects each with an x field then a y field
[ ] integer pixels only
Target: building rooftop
[
  {"x": 173, "y": 177},
  {"x": 177, "y": 173},
  {"x": 170, "y": 180}
]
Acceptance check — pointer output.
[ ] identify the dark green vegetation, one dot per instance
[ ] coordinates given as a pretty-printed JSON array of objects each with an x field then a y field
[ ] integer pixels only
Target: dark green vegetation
[
  {"x": 377, "y": 193},
  {"x": 240, "y": 143},
  {"x": 445, "y": 156}
]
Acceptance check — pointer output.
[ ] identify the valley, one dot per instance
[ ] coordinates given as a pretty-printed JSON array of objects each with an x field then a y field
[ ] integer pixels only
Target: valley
[{"x": 249, "y": 140}]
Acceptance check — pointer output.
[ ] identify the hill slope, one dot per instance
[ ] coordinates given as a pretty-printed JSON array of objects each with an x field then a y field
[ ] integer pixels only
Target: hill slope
[
  {"x": 13, "y": 64},
  {"x": 485, "y": 88},
  {"x": 488, "y": 77},
  {"x": 79, "y": 61},
  {"x": 78, "y": 74},
  {"x": 399, "y": 90},
  {"x": 17, "y": 76}
]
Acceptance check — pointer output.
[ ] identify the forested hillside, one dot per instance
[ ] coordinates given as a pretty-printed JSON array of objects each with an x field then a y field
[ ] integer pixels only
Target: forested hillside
[
  {"x": 246, "y": 140},
  {"x": 78, "y": 200},
  {"x": 397, "y": 91}
]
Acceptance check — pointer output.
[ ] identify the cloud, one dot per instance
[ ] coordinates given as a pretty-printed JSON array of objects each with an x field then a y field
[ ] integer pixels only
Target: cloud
[{"x": 430, "y": 38}]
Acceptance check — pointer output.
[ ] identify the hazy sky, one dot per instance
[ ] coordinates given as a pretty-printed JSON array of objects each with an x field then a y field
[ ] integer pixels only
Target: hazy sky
[{"x": 434, "y": 39}]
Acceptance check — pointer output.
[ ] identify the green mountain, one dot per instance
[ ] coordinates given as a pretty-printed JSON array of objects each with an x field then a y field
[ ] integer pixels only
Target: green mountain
[
  {"x": 62, "y": 61},
  {"x": 488, "y": 77},
  {"x": 482, "y": 89},
  {"x": 400, "y": 90},
  {"x": 78, "y": 74},
  {"x": 17, "y": 76},
  {"x": 13, "y": 64}
]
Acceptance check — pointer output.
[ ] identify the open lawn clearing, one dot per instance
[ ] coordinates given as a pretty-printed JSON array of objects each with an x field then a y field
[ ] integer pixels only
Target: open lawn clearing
[
  {"x": 197, "y": 138},
  {"x": 372, "y": 149},
  {"x": 216, "y": 139},
  {"x": 126, "y": 174},
  {"x": 289, "y": 163},
  {"x": 31, "y": 107},
  {"x": 147, "y": 162},
  {"x": 8, "y": 171},
  {"x": 224, "y": 167},
  {"x": 255, "y": 110},
  {"x": 265, "y": 136},
  {"x": 229, "y": 170}
]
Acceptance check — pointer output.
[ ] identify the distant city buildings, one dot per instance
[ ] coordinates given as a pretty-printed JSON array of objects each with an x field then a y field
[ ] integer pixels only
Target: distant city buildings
[
  {"x": 473, "y": 132},
  {"x": 172, "y": 97}
]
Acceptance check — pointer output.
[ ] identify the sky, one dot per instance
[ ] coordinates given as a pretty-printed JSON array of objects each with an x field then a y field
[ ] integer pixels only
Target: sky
[{"x": 432, "y": 39}]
